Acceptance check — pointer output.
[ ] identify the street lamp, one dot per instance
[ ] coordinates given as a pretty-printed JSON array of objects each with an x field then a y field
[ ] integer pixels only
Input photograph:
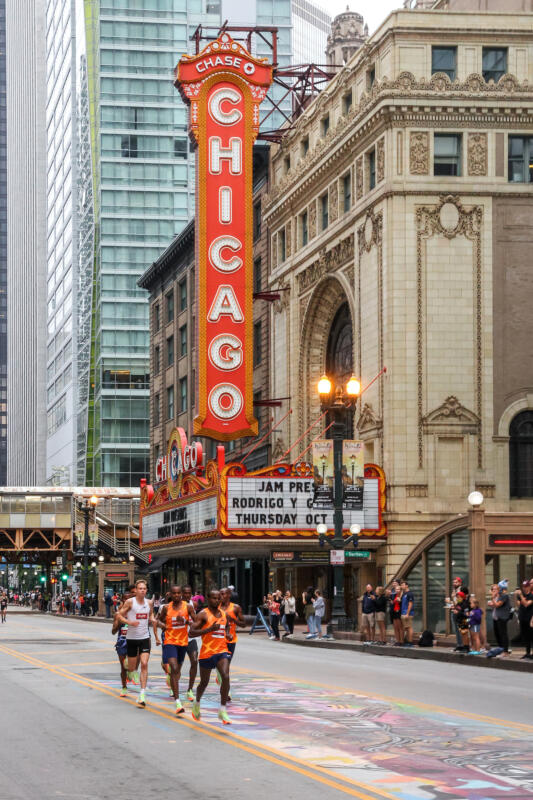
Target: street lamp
[
  {"x": 338, "y": 401},
  {"x": 475, "y": 499},
  {"x": 86, "y": 507}
]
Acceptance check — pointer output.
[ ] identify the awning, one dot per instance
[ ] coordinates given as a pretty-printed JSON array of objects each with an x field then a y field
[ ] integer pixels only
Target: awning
[{"x": 157, "y": 563}]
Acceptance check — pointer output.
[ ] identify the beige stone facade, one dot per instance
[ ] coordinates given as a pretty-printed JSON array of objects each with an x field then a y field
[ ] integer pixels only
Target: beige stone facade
[{"x": 435, "y": 267}]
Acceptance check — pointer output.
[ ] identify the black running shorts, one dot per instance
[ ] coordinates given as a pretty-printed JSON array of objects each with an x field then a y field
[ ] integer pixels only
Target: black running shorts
[{"x": 138, "y": 646}]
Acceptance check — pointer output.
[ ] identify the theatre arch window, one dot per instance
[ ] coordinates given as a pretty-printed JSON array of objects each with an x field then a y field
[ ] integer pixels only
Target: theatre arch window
[{"x": 521, "y": 455}]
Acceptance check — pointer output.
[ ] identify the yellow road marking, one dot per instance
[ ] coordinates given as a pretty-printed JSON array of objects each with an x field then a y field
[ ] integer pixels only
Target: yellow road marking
[
  {"x": 284, "y": 760},
  {"x": 83, "y": 664},
  {"x": 389, "y": 699},
  {"x": 65, "y": 652}
]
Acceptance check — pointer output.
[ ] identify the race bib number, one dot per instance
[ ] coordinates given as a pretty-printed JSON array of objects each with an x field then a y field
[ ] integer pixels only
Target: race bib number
[
  {"x": 141, "y": 616},
  {"x": 176, "y": 624}
]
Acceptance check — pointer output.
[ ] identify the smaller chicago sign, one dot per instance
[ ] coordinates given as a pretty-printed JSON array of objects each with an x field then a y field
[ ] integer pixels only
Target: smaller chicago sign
[
  {"x": 181, "y": 457},
  {"x": 224, "y": 86}
]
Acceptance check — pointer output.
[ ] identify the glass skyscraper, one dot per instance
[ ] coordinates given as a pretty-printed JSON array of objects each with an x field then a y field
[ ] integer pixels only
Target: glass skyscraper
[{"x": 120, "y": 185}]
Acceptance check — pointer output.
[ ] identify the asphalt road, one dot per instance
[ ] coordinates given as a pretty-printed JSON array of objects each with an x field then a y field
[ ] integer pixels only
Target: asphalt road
[{"x": 306, "y": 724}]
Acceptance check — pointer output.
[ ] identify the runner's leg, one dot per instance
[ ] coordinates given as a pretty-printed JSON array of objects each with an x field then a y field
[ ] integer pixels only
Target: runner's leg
[{"x": 193, "y": 667}]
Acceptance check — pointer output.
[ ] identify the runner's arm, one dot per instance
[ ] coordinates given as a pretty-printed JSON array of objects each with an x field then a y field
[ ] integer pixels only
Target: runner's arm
[
  {"x": 198, "y": 630},
  {"x": 192, "y": 613},
  {"x": 123, "y": 610},
  {"x": 239, "y": 619}
]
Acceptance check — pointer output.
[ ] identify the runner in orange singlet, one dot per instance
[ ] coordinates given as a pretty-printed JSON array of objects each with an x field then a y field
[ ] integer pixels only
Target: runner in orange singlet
[
  {"x": 174, "y": 620},
  {"x": 233, "y": 613},
  {"x": 211, "y": 624}
]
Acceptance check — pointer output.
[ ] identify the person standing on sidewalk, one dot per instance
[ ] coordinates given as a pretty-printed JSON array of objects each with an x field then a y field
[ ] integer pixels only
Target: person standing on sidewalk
[
  {"x": 368, "y": 614},
  {"x": 309, "y": 611},
  {"x": 408, "y": 612},
  {"x": 380, "y": 605},
  {"x": 108, "y": 602},
  {"x": 501, "y": 613},
  {"x": 290, "y": 612},
  {"x": 274, "y": 610},
  {"x": 524, "y": 602},
  {"x": 452, "y": 602},
  {"x": 320, "y": 610}
]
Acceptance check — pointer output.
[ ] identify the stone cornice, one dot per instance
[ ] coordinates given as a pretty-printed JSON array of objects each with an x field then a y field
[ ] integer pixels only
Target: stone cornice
[{"x": 407, "y": 95}]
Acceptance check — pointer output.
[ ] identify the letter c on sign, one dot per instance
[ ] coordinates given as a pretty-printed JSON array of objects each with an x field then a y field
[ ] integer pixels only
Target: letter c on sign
[
  {"x": 215, "y": 253},
  {"x": 215, "y": 106},
  {"x": 225, "y": 351},
  {"x": 225, "y": 401}
]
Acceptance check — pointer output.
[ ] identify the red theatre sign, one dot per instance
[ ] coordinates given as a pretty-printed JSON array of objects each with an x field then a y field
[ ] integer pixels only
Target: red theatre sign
[{"x": 224, "y": 86}]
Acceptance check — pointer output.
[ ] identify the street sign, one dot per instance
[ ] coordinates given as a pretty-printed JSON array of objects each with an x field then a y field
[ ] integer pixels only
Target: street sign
[
  {"x": 336, "y": 557},
  {"x": 357, "y": 553}
]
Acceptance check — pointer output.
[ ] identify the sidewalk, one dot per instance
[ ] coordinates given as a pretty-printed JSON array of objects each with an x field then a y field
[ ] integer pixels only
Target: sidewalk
[{"x": 444, "y": 653}]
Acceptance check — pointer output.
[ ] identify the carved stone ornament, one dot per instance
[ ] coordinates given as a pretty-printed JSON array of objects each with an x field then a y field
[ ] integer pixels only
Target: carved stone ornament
[
  {"x": 477, "y": 154},
  {"x": 419, "y": 153},
  {"x": 359, "y": 178},
  {"x": 288, "y": 239},
  {"x": 284, "y": 297},
  {"x": 274, "y": 251},
  {"x": 312, "y": 220},
  {"x": 451, "y": 415},
  {"x": 405, "y": 85},
  {"x": 333, "y": 201},
  {"x": 278, "y": 449},
  {"x": 380, "y": 159},
  {"x": 370, "y": 232},
  {"x": 328, "y": 261},
  {"x": 368, "y": 425}
]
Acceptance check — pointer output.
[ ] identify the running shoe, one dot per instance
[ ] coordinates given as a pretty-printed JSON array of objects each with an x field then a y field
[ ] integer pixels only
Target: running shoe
[
  {"x": 223, "y": 716},
  {"x": 196, "y": 710},
  {"x": 179, "y": 708},
  {"x": 169, "y": 684},
  {"x": 123, "y": 692},
  {"x": 134, "y": 677},
  {"x": 141, "y": 700},
  {"x": 190, "y": 695}
]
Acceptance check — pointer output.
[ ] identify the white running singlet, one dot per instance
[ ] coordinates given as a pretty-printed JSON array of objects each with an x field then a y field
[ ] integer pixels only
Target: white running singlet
[{"x": 139, "y": 612}]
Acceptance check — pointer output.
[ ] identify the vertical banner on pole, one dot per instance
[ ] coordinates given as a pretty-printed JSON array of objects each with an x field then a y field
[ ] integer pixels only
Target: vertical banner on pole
[
  {"x": 224, "y": 86},
  {"x": 323, "y": 473},
  {"x": 353, "y": 474}
]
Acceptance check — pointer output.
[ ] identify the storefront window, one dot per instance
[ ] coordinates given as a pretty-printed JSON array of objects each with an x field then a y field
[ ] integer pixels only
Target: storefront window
[
  {"x": 460, "y": 556},
  {"x": 414, "y": 579},
  {"x": 436, "y": 587}
]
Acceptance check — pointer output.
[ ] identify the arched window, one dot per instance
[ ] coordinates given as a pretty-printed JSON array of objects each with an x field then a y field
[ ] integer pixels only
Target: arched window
[
  {"x": 339, "y": 354},
  {"x": 521, "y": 455}
]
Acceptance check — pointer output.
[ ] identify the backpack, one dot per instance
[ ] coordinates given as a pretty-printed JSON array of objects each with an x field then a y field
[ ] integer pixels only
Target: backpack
[{"x": 426, "y": 639}]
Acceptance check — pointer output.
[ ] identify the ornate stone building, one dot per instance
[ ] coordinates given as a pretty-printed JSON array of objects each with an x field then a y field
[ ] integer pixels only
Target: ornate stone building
[{"x": 403, "y": 232}]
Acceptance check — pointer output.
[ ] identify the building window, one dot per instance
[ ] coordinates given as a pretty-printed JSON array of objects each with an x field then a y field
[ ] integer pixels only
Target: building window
[
  {"x": 324, "y": 125},
  {"x": 257, "y": 221},
  {"x": 156, "y": 360},
  {"x": 521, "y": 455},
  {"x": 157, "y": 317},
  {"x": 520, "y": 159},
  {"x": 183, "y": 341},
  {"x": 170, "y": 306},
  {"x": 157, "y": 451},
  {"x": 286, "y": 164},
  {"x": 282, "y": 250},
  {"x": 347, "y": 192},
  {"x": 257, "y": 275},
  {"x": 170, "y": 351},
  {"x": 183, "y": 395},
  {"x": 129, "y": 146},
  {"x": 157, "y": 410},
  {"x": 258, "y": 343},
  {"x": 444, "y": 59},
  {"x": 371, "y": 77},
  {"x": 371, "y": 162},
  {"x": 494, "y": 63},
  {"x": 347, "y": 101},
  {"x": 304, "y": 146},
  {"x": 324, "y": 211},
  {"x": 180, "y": 148},
  {"x": 170, "y": 402},
  {"x": 447, "y": 154},
  {"x": 183, "y": 295},
  {"x": 303, "y": 229}
]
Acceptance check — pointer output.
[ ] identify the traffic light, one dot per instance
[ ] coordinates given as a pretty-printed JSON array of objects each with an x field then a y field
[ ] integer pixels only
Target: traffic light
[
  {"x": 53, "y": 580},
  {"x": 64, "y": 576},
  {"x": 43, "y": 578}
]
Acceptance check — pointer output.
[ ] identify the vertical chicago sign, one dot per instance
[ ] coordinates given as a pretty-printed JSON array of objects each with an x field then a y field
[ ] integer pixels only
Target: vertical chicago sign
[{"x": 224, "y": 86}]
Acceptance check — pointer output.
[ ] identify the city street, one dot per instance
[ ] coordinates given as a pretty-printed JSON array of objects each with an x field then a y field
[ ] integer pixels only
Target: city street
[{"x": 323, "y": 725}]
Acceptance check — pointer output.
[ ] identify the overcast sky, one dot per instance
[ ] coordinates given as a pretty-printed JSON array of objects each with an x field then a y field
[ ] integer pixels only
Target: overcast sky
[{"x": 373, "y": 11}]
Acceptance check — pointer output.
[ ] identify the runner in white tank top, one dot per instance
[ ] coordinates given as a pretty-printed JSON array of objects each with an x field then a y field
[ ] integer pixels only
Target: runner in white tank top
[{"x": 137, "y": 614}]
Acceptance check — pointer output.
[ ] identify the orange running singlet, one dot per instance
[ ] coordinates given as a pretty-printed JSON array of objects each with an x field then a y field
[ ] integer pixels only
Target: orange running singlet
[
  {"x": 214, "y": 642},
  {"x": 232, "y": 634},
  {"x": 177, "y": 633}
]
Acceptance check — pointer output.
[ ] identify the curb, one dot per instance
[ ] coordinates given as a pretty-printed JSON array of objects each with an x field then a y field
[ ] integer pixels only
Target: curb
[
  {"x": 418, "y": 653},
  {"x": 75, "y": 617}
]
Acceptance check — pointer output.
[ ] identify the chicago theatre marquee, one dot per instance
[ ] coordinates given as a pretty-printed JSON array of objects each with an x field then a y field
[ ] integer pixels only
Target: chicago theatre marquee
[{"x": 218, "y": 523}]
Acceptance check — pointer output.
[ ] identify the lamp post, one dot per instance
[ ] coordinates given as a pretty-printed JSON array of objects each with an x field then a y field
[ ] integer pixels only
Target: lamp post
[
  {"x": 86, "y": 507},
  {"x": 337, "y": 402}
]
